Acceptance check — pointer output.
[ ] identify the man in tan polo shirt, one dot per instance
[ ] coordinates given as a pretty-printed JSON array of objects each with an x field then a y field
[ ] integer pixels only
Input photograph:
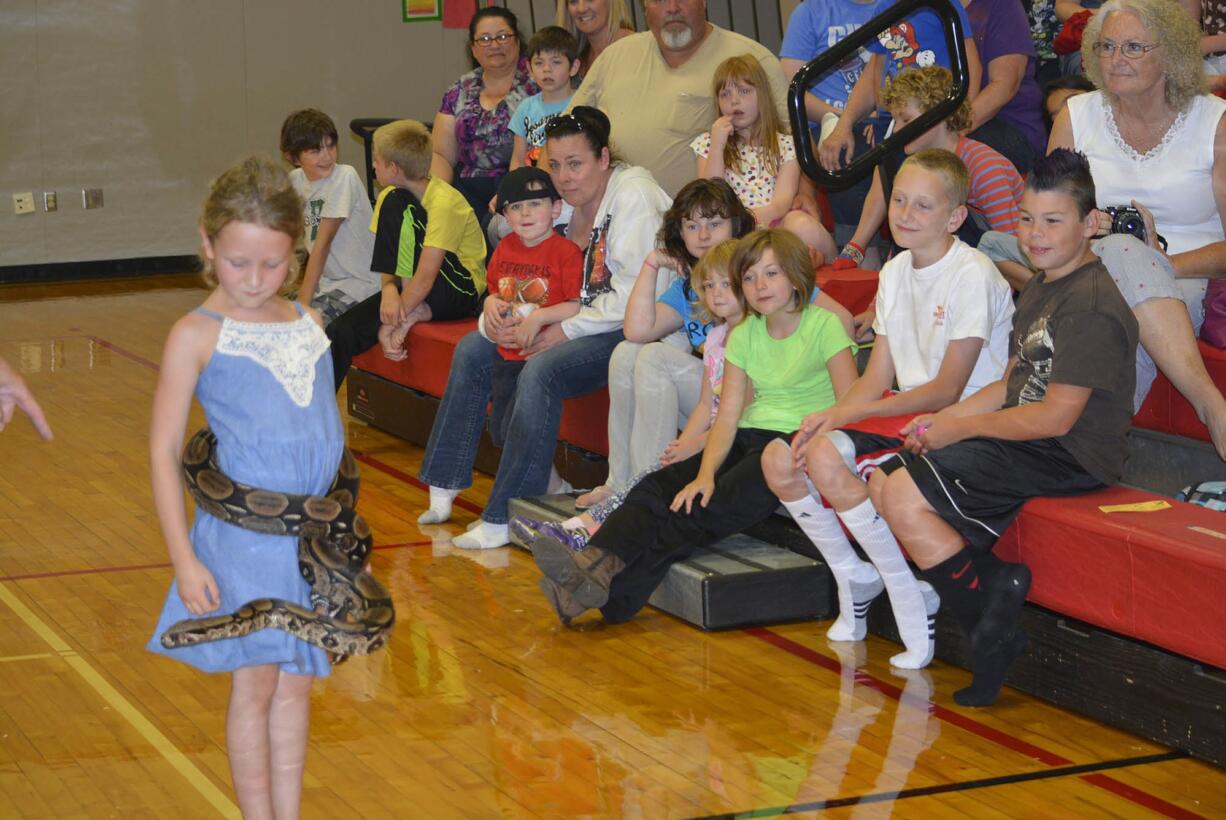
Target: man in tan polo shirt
[{"x": 655, "y": 86}]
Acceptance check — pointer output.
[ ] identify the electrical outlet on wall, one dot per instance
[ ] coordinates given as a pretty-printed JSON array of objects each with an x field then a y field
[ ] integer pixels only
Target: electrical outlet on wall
[
  {"x": 50, "y": 201},
  {"x": 23, "y": 203},
  {"x": 91, "y": 198}
]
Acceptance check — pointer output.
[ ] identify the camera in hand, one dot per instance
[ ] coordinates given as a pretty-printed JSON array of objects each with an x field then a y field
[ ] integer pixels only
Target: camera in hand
[{"x": 1125, "y": 219}]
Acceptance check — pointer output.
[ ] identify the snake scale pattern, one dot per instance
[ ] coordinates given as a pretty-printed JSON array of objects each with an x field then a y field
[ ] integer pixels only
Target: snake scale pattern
[{"x": 352, "y": 612}]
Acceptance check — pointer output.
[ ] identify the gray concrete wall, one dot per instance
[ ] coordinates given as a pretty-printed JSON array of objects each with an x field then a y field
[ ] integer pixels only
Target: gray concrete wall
[{"x": 149, "y": 99}]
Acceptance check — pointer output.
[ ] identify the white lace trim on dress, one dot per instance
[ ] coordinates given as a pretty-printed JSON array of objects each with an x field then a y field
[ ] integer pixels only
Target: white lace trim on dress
[
  {"x": 287, "y": 350},
  {"x": 1131, "y": 152}
]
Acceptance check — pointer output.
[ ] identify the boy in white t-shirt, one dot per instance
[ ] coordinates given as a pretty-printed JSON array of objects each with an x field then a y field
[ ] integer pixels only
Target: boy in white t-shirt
[
  {"x": 338, "y": 274},
  {"x": 942, "y": 325}
]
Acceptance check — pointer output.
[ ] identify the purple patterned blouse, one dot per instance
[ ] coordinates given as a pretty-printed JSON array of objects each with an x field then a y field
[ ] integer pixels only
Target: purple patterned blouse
[{"x": 484, "y": 137}]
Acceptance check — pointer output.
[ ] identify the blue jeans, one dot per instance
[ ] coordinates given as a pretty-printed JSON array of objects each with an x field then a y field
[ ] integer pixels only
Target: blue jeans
[{"x": 571, "y": 369}]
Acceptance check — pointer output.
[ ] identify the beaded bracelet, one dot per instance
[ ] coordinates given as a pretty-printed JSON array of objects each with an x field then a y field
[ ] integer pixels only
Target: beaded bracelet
[{"x": 854, "y": 252}]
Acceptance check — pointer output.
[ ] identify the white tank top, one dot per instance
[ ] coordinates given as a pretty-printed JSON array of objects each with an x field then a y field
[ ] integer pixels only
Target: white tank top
[{"x": 1174, "y": 179}]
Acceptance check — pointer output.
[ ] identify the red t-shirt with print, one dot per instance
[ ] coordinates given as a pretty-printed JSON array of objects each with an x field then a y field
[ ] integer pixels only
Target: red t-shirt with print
[{"x": 543, "y": 275}]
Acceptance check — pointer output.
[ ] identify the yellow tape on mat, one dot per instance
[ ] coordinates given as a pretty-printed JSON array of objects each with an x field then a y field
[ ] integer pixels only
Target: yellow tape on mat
[{"x": 1140, "y": 506}]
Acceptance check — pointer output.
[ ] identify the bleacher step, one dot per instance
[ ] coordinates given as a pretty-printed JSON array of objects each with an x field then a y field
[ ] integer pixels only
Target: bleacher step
[{"x": 739, "y": 581}]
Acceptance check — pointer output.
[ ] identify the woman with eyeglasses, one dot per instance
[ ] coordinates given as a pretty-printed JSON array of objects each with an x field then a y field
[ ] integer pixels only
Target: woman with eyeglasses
[
  {"x": 617, "y": 211},
  {"x": 596, "y": 24},
  {"x": 472, "y": 134},
  {"x": 1156, "y": 141}
]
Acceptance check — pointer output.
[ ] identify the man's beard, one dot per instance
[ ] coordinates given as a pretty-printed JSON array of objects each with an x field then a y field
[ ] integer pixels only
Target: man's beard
[{"x": 677, "y": 39}]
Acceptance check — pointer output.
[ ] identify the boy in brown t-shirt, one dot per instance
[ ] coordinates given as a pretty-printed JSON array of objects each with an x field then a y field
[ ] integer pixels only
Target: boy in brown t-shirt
[{"x": 1054, "y": 424}]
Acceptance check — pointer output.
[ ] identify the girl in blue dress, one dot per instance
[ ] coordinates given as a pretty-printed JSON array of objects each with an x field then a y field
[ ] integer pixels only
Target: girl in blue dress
[{"x": 257, "y": 363}]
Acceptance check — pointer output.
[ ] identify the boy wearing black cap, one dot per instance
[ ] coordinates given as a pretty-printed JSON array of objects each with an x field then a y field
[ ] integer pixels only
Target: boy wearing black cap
[{"x": 535, "y": 276}]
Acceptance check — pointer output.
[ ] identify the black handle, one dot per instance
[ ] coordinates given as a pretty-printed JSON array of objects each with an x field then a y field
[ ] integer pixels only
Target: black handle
[{"x": 826, "y": 61}]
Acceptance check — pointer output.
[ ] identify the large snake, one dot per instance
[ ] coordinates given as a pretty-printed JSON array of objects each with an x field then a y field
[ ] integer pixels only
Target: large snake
[{"x": 353, "y": 612}]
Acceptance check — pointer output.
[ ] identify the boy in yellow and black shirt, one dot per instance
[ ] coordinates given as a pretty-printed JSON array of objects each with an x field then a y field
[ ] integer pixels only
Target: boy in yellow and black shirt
[{"x": 429, "y": 247}]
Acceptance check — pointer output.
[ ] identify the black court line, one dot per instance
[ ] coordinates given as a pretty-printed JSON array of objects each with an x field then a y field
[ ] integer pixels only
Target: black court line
[{"x": 966, "y": 785}]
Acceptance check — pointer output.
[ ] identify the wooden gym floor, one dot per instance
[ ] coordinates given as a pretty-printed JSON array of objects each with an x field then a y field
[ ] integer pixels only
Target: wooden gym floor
[{"x": 482, "y": 705}]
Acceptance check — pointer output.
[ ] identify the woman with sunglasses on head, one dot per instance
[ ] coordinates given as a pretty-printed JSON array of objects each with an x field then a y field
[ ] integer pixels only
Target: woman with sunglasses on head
[
  {"x": 472, "y": 134},
  {"x": 617, "y": 211}
]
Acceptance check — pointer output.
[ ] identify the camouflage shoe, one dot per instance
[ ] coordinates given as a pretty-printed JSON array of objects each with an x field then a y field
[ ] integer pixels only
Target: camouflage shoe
[
  {"x": 586, "y": 574},
  {"x": 564, "y": 604}
]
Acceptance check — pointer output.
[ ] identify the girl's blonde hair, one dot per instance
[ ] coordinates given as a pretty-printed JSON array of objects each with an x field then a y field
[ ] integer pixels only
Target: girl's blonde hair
[
  {"x": 1173, "y": 29},
  {"x": 746, "y": 69},
  {"x": 791, "y": 254},
  {"x": 717, "y": 260},
  {"x": 256, "y": 191},
  {"x": 619, "y": 18}
]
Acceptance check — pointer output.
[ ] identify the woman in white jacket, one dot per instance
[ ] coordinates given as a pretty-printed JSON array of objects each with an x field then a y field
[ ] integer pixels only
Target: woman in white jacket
[{"x": 617, "y": 214}]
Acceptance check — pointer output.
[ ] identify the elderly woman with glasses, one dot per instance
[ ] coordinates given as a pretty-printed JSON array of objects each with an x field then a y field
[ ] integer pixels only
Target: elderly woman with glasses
[
  {"x": 1157, "y": 141},
  {"x": 472, "y": 135}
]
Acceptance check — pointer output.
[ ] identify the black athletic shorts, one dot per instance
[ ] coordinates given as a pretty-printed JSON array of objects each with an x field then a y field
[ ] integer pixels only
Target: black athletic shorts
[
  {"x": 979, "y": 485},
  {"x": 867, "y": 444}
]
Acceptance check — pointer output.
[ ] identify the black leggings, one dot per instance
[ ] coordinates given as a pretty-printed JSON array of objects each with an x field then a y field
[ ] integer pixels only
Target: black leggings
[
  {"x": 650, "y": 537},
  {"x": 353, "y": 332}
]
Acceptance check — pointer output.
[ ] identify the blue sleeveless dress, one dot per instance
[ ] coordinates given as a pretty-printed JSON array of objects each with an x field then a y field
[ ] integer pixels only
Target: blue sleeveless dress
[{"x": 267, "y": 394}]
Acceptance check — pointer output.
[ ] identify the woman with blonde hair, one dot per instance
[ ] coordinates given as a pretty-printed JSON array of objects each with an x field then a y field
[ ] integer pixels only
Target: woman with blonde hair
[
  {"x": 596, "y": 24},
  {"x": 1156, "y": 141}
]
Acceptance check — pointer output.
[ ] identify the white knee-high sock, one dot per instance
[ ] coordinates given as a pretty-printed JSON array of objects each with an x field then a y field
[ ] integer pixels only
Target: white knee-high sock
[
  {"x": 914, "y": 608},
  {"x": 440, "y": 506},
  {"x": 857, "y": 581}
]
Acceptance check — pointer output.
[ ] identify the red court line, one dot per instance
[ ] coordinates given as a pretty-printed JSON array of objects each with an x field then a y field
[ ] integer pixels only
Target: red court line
[
  {"x": 1154, "y": 804},
  {"x": 127, "y": 354},
  {"x": 135, "y": 567},
  {"x": 404, "y": 544},
  {"x": 94, "y": 571},
  {"x": 462, "y": 503}
]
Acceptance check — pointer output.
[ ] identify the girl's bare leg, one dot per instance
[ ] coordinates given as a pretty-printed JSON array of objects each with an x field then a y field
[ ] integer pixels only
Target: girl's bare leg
[
  {"x": 288, "y": 728},
  {"x": 251, "y": 695}
]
